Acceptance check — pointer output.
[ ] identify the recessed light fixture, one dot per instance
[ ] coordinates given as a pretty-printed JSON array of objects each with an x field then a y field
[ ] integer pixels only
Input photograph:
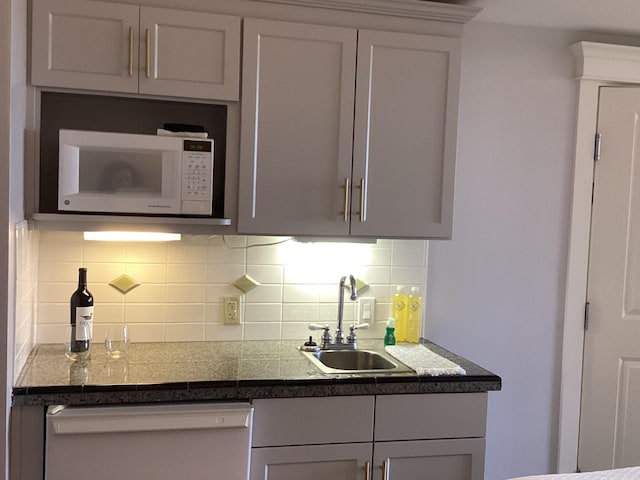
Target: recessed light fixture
[{"x": 132, "y": 236}]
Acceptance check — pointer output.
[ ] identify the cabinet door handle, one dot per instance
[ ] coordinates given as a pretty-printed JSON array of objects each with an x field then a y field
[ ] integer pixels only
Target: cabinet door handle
[
  {"x": 385, "y": 470},
  {"x": 367, "y": 470},
  {"x": 346, "y": 199},
  {"x": 131, "y": 51},
  {"x": 363, "y": 203},
  {"x": 147, "y": 40}
]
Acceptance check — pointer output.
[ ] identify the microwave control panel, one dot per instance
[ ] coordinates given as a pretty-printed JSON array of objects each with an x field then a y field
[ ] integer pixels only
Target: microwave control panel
[{"x": 197, "y": 177}]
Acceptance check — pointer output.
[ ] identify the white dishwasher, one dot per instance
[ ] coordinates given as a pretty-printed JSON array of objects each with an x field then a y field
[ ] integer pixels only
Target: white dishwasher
[{"x": 195, "y": 441}]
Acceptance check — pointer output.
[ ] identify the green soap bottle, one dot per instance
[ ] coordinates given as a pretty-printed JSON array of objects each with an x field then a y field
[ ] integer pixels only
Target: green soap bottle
[{"x": 389, "y": 338}]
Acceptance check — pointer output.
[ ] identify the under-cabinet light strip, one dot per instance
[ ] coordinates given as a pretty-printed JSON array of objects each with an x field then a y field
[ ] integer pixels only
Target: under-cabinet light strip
[{"x": 132, "y": 236}]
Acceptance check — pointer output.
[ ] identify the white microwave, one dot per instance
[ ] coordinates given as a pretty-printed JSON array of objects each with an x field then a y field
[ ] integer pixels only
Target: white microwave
[{"x": 103, "y": 172}]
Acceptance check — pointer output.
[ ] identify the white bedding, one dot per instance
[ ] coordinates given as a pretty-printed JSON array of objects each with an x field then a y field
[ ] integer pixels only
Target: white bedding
[{"x": 632, "y": 473}]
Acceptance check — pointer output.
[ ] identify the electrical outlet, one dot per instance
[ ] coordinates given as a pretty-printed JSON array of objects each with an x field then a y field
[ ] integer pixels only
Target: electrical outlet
[
  {"x": 231, "y": 310},
  {"x": 366, "y": 310}
]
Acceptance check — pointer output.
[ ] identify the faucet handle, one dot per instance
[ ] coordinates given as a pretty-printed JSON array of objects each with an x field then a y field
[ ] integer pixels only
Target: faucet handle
[
  {"x": 326, "y": 336},
  {"x": 316, "y": 326},
  {"x": 352, "y": 338}
]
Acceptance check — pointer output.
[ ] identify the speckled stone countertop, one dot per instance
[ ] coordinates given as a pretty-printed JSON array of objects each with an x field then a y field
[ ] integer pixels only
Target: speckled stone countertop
[{"x": 191, "y": 371}]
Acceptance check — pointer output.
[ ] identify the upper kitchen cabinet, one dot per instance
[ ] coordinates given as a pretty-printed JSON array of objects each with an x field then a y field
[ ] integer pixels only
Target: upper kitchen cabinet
[
  {"x": 329, "y": 149},
  {"x": 296, "y": 128},
  {"x": 124, "y": 48}
]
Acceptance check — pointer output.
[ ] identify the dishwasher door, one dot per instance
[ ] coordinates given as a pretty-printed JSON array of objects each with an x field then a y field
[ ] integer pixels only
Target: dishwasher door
[{"x": 161, "y": 442}]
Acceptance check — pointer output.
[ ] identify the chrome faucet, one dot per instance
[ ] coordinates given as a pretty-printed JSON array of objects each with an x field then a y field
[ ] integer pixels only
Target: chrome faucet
[
  {"x": 339, "y": 341},
  {"x": 354, "y": 295}
]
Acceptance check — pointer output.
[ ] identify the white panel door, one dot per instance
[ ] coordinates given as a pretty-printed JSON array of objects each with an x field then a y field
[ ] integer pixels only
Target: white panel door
[
  {"x": 89, "y": 45},
  {"x": 610, "y": 418},
  {"x": 189, "y": 54},
  {"x": 346, "y": 461},
  {"x": 456, "y": 459},
  {"x": 405, "y": 135},
  {"x": 297, "y": 128}
]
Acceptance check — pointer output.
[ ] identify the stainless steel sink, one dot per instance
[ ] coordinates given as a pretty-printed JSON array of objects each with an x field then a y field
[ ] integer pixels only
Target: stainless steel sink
[{"x": 355, "y": 361}]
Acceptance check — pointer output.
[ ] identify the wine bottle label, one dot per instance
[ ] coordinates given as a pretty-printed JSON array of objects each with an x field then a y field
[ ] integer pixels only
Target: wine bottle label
[{"x": 84, "y": 323}]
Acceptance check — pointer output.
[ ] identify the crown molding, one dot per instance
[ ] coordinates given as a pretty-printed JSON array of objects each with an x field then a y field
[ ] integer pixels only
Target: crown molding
[
  {"x": 425, "y": 10},
  {"x": 607, "y": 62}
]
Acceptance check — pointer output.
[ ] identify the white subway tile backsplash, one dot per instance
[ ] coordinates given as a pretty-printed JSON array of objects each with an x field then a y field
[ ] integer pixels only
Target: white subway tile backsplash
[
  {"x": 213, "y": 312},
  {"x": 105, "y": 293},
  {"x": 58, "y": 272},
  {"x": 188, "y": 273},
  {"x": 225, "y": 256},
  {"x": 146, "y": 272},
  {"x": 186, "y": 253},
  {"x": 263, "y": 312},
  {"x": 147, "y": 252},
  {"x": 186, "y": 293},
  {"x": 300, "y": 312},
  {"x": 215, "y": 293},
  {"x": 185, "y": 313},
  {"x": 264, "y": 255},
  {"x": 224, "y": 273},
  {"x": 220, "y": 332},
  {"x": 146, "y": 332},
  {"x": 184, "y": 332},
  {"x": 266, "y": 273},
  {"x": 108, "y": 313},
  {"x": 52, "y": 313},
  {"x": 408, "y": 276},
  {"x": 138, "y": 313},
  {"x": 265, "y": 294},
  {"x": 262, "y": 331},
  {"x": 100, "y": 273},
  {"x": 183, "y": 285},
  {"x": 301, "y": 293},
  {"x": 55, "y": 292},
  {"x": 61, "y": 252},
  {"x": 148, "y": 293},
  {"x": 95, "y": 252}
]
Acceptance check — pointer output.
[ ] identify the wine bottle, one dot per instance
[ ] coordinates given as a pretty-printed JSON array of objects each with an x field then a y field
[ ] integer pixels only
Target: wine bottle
[{"x": 81, "y": 316}]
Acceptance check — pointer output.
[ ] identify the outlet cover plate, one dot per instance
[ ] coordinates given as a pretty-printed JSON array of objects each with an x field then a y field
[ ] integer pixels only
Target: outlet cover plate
[{"x": 231, "y": 310}]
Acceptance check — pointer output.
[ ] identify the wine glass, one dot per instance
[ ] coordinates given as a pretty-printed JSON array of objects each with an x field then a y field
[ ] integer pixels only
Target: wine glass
[
  {"x": 116, "y": 341},
  {"x": 71, "y": 345}
]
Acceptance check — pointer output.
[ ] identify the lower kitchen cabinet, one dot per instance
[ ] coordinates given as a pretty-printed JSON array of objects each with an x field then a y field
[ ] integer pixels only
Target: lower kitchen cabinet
[
  {"x": 456, "y": 459},
  {"x": 318, "y": 462},
  {"x": 416, "y": 437}
]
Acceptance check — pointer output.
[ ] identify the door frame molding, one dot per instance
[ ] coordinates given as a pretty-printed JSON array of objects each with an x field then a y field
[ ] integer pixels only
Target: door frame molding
[{"x": 597, "y": 65}]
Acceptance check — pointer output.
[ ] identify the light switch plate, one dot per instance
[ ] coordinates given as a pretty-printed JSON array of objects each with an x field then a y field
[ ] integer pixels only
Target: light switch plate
[{"x": 366, "y": 310}]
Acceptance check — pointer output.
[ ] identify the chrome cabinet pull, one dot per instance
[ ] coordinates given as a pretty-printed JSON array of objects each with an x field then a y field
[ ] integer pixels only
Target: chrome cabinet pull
[
  {"x": 385, "y": 470},
  {"x": 346, "y": 199},
  {"x": 363, "y": 203},
  {"x": 367, "y": 470},
  {"x": 147, "y": 39},
  {"x": 131, "y": 51}
]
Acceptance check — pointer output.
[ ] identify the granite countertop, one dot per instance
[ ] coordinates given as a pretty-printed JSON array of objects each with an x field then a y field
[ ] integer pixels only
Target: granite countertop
[{"x": 192, "y": 371}]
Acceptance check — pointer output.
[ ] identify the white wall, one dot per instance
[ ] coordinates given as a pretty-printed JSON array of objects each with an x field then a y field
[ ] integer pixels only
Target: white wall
[{"x": 496, "y": 290}]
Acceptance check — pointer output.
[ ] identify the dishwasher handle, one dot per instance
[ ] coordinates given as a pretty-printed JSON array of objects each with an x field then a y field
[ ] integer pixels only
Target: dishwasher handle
[{"x": 137, "y": 420}]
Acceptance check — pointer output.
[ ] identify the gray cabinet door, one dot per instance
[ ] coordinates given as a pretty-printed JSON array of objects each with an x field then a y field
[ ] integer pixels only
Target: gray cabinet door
[
  {"x": 124, "y": 48},
  {"x": 405, "y": 135},
  {"x": 297, "y": 126},
  {"x": 456, "y": 459},
  {"x": 189, "y": 54},
  {"x": 80, "y": 44},
  {"x": 347, "y": 461}
]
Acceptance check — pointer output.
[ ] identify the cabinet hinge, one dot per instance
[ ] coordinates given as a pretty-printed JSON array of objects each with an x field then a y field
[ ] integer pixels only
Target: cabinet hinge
[
  {"x": 586, "y": 316},
  {"x": 596, "y": 149}
]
